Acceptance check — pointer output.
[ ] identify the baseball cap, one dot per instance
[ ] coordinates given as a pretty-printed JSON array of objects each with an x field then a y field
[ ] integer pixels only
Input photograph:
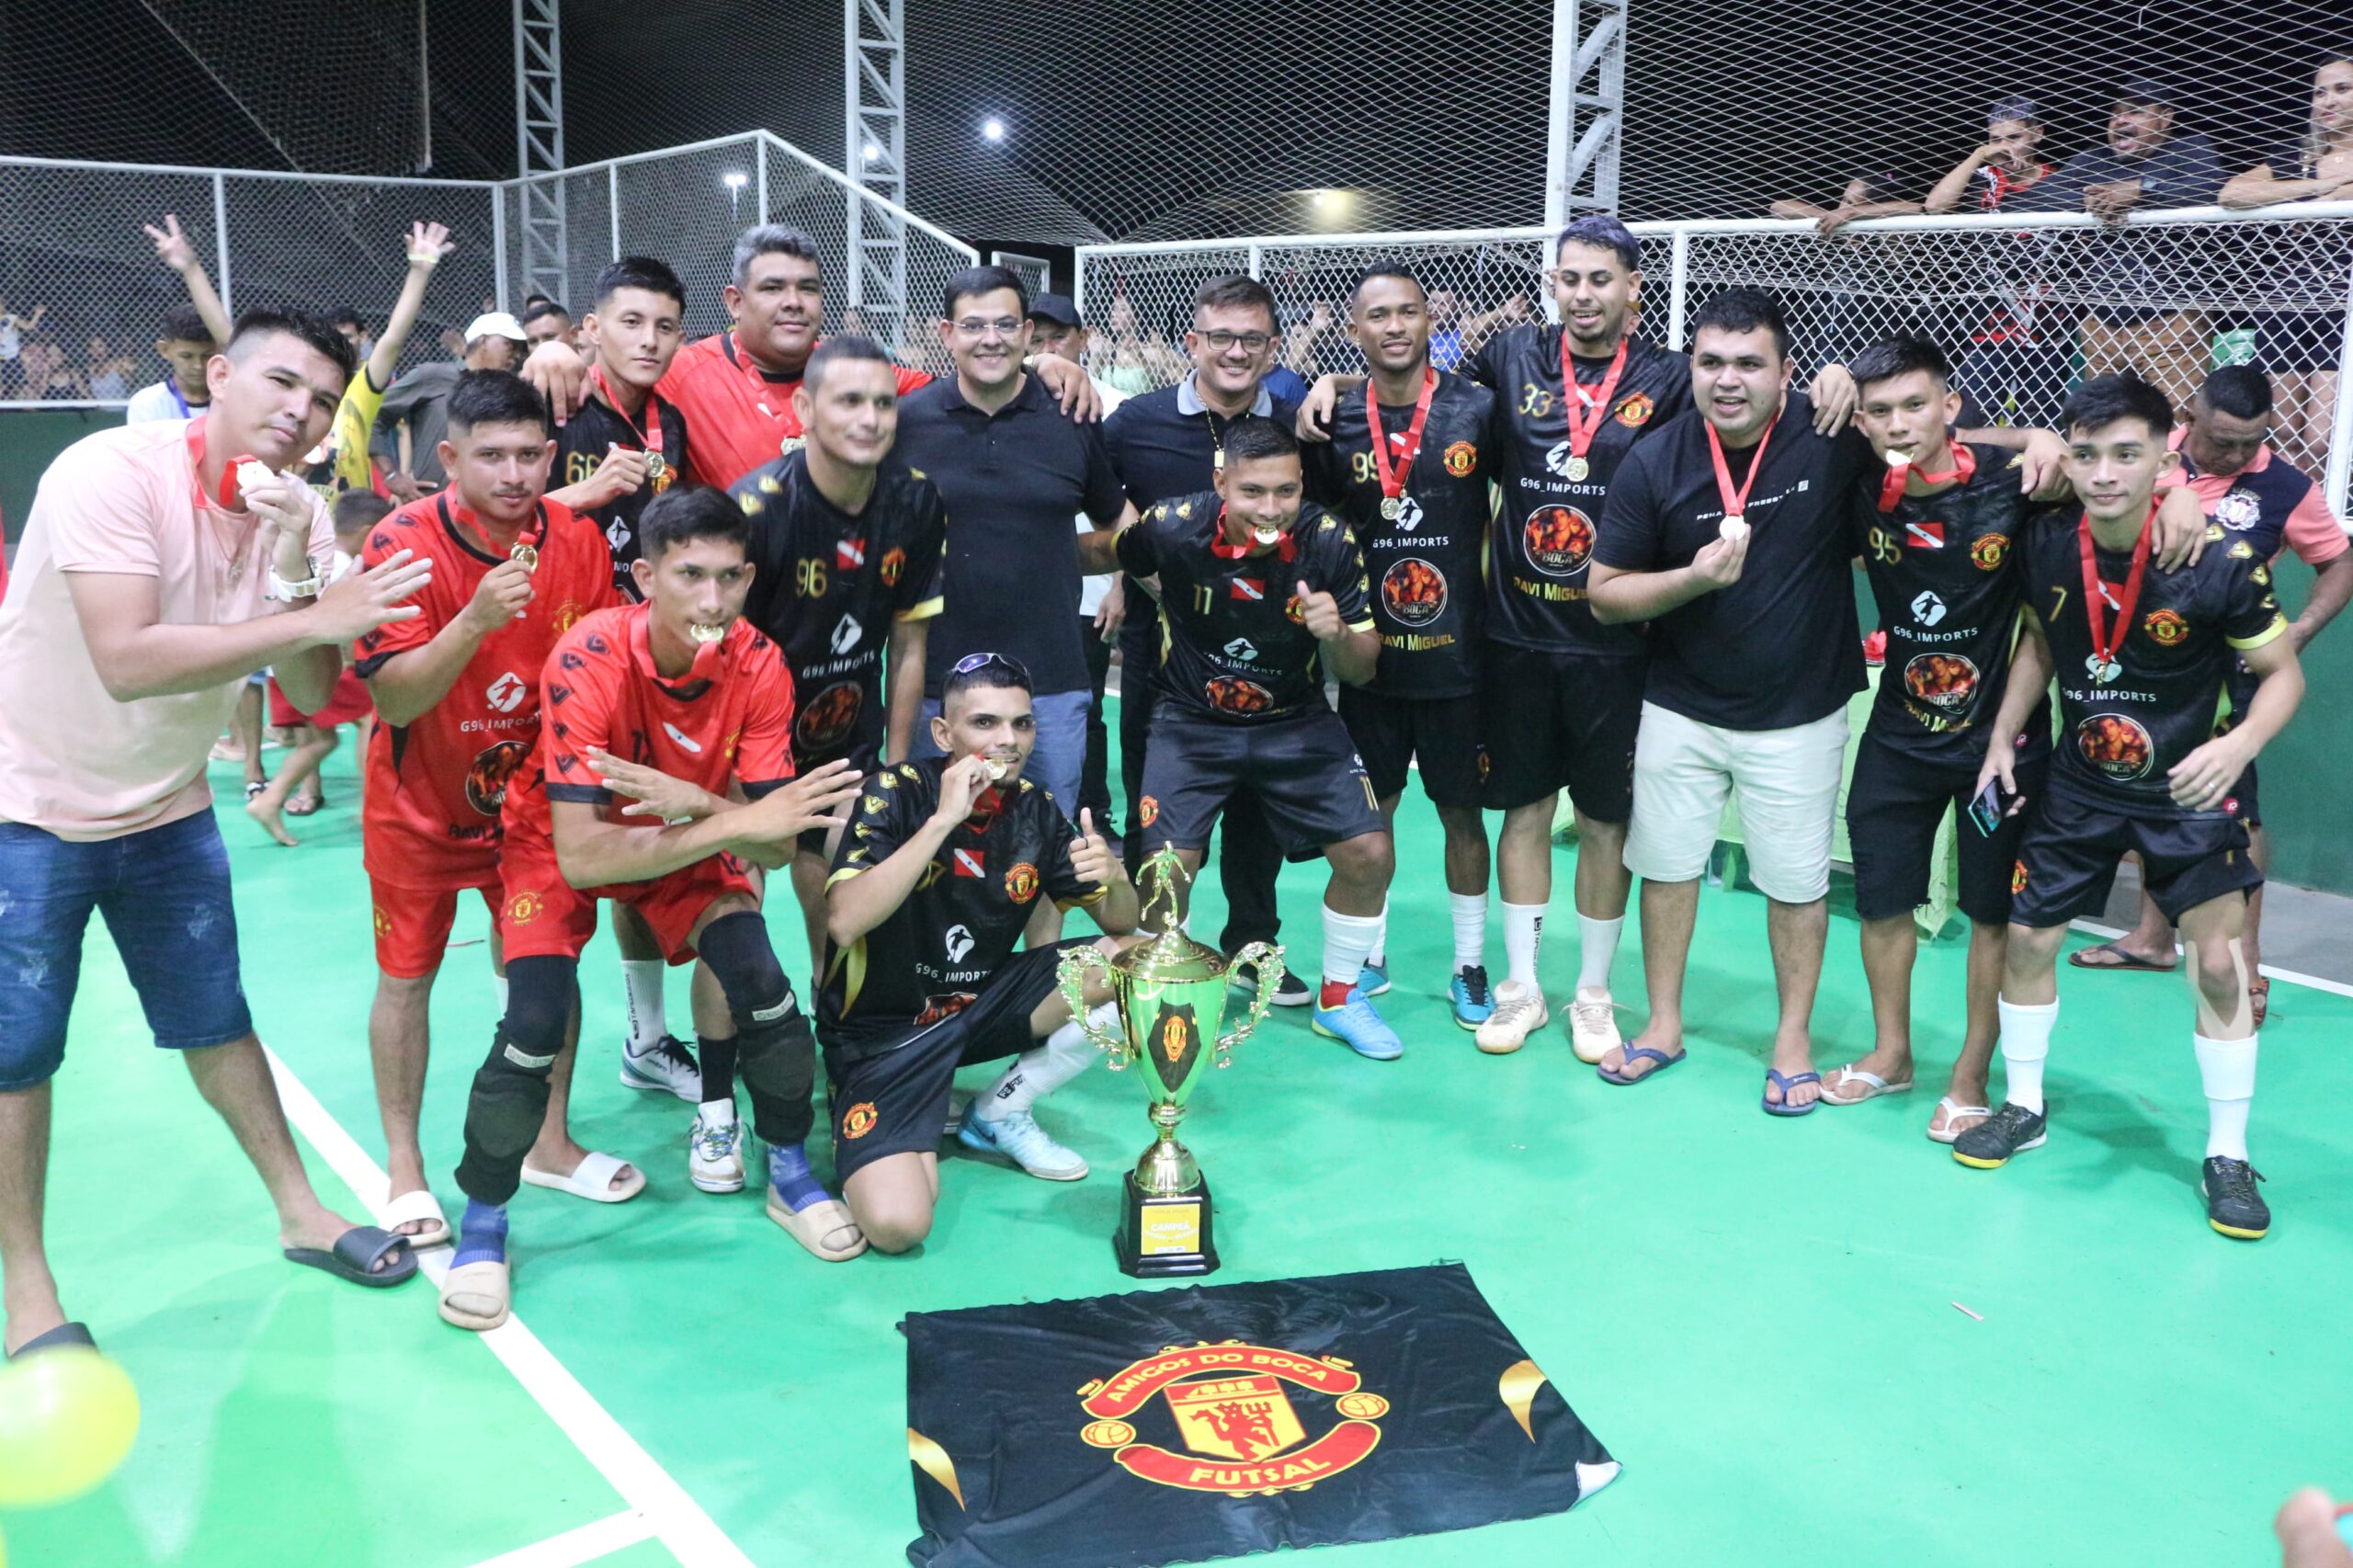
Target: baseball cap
[
  {"x": 2025, "y": 112},
  {"x": 2144, "y": 90},
  {"x": 496, "y": 324},
  {"x": 1055, "y": 307}
]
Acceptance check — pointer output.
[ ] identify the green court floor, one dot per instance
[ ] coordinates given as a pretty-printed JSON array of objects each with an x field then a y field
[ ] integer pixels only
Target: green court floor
[{"x": 1757, "y": 1315}]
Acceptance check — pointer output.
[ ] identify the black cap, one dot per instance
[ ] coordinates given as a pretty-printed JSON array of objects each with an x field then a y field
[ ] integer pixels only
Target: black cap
[
  {"x": 1055, "y": 307},
  {"x": 2143, "y": 90},
  {"x": 2025, "y": 112}
]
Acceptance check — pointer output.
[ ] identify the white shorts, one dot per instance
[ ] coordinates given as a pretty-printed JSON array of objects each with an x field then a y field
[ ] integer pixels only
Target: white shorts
[{"x": 1788, "y": 781}]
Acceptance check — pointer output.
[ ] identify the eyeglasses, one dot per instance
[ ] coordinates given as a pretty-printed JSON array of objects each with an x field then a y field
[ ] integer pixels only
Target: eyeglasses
[
  {"x": 973, "y": 326},
  {"x": 971, "y": 662},
  {"x": 1256, "y": 342}
]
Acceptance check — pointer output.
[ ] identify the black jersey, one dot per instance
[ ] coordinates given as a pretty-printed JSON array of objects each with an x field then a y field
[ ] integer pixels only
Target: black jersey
[
  {"x": 828, "y": 588},
  {"x": 2119, "y": 739},
  {"x": 1545, "y": 532},
  {"x": 933, "y": 954},
  {"x": 1233, "y": 643},
  {"x": 581, "y": 445},
  {"x": 1945, "y": 570},
  {"x": 1428, "y": 601}
]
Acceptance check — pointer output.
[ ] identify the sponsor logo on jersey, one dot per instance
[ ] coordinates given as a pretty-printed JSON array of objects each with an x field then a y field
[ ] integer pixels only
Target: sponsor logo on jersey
[
  {"x": 489, "y": 774},
  {"x": 1925, "y": 535},
  {"x": 2165, "y": 628},
  {"x": 1242, "y": 651},
  {"x": 1231, "y": 694},
  {"x": 1926, "y": 608},
  {"x": 1990, "y": 550},
  {"x": 1558, "y": 540},
  {"x": 967, "y": 863},
  {"x": 849, "y": 554},
  {"x": 1414, "y": 591},
  {"x": 1250, "y": 590},
  {"x": 846, "y": 635},
  {"x": 1460, "y": 457},
  {"x": 1946, "y": 681},
  {"x": 959, "y": 941},
  {"x": 506, "y": 693},
  {"x": 830, "y": 716},
  {"x": 2116, "y": 745}
]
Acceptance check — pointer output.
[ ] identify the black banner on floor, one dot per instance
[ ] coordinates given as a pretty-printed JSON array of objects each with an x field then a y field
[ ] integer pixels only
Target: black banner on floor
[{"x": 1177, "y": 1425}]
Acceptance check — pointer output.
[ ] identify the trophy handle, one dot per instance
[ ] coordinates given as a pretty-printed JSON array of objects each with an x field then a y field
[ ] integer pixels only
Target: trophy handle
[
  {"x": 1268, "y": 958},
  {"x": 1071, "y": 976}
]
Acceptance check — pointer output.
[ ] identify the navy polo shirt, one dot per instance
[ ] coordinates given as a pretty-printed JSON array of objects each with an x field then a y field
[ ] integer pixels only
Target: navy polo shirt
[{"x": 1012, "y": 482}]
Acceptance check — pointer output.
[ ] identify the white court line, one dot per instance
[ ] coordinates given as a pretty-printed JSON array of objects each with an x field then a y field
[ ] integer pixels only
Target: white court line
[
  {"x": 2293, "y": 977},
  {"x": 645, "y": 1486},
  {"x": 600, "y": 1539}
]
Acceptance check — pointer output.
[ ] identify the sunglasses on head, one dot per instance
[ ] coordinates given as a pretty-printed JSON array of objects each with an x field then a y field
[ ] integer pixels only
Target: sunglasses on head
[{"x": 971, "y": 662}]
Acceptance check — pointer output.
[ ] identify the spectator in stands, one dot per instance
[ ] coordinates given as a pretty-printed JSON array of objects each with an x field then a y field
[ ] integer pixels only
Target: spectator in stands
[
  {"x": 549, "y": 322},
  {"x": 1131, "y": 360},
  {"x": 1318, "y": 346},
  {"x": 2142, "y": 165},
  {"x": 452, "y": 342},
  {"x": 2017, "y": 364},
  {"x": 104, "y": 375},
  {"x": 355, "y": 331},
  {"x": 2300, "y": 347},
  {"x": 409, "y": 426},
  {"x": 184, "y": 345},
  {"x": 13, "y": 328},
  {"x": 1864, "y": 195}
]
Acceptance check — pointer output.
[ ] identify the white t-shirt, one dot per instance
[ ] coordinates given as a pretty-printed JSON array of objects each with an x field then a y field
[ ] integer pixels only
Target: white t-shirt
[
  {"x": 162, "y": 401},
  {"x": 1092, "y": 588},
  {"x": 73, "y": 761}
]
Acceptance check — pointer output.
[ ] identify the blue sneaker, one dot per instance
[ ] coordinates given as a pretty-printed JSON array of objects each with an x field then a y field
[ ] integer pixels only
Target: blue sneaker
[
  {"x": 1375, "y": 978},
  {"x": 1474, "y": 1002},
  {"x": 1355, "y": 1022}
]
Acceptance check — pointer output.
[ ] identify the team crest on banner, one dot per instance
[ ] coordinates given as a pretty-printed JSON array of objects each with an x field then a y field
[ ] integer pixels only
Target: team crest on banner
[{"x": 1169, "y": 1427}]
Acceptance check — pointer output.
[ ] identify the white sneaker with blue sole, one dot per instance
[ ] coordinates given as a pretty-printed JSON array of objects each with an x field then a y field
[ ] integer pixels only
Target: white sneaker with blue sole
[{"x": 1016, "y": 1136}]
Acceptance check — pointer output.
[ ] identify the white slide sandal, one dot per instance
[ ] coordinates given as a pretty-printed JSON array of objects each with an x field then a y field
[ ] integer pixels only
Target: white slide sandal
[
  {"x": 477, "y": 1295},
  {"x": 592, "y": 1180},
  {"x": 410, "y": 1207}
]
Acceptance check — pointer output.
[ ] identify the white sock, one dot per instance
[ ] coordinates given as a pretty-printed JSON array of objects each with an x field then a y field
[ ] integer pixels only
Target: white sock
[
  {"x": 500, "y": 980},
  {"x": 1523, "y": 934},
  {"x": 1470, "y": 929},
  {"x": 1042, "y": 1069},
  {"x": 1379, "y": 954},
  {"x": 1348, "y": 941},
  {"x": 1596, "y": 950},
  {"x": 2026, "y": 1040},
  {"x": 2227, "y": 1069},
  {"x": 647, "y": 1023},
  {"x": 718, "y": 1113}
]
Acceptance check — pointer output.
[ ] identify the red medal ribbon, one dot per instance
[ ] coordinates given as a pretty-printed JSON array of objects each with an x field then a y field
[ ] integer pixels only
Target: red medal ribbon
[
  {"x": 1287, "y": 546},
  {"x": 652, "y": 435},
  {"x": 1582, "y": 430},
  {"x": 228, "y": 500},
  {"x": 1735, "y": 503},
  {"x": 1393, "y": 477},
  {"x": 2107, "y": 638},
  {"x": 1965, "y": 469},
  {"x": 458, "y": 512}
]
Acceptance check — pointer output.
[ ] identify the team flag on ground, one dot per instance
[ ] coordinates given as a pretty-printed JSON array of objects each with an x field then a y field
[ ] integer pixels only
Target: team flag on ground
[{"x": 1176, "y": 1426}]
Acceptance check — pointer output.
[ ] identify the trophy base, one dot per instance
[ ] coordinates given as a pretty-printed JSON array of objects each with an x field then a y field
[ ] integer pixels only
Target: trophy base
[{"x": 1162, "y": 1238}]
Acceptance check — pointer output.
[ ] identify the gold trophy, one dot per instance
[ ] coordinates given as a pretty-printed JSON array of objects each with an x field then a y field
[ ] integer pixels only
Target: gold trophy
[{"x": 1171, "y": 995}]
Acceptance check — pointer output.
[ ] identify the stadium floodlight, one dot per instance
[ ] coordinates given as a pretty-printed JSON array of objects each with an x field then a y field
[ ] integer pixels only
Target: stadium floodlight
[
  {"x": 734, "y": 179},
  {"x": 992, "y": 128}
]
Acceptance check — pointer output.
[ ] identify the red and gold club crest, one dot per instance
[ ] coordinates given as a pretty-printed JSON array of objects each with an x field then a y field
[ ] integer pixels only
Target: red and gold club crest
[
  {"x": 2166, "y": 627},
  {"x": 1148, "y": 810},
  {"x": 1461, "y": 457},
  {"x": 829, "y": 716},
  {"x": 524, "y": 907},
  {"x": 859, "y": 1121},
  {"x": 1295, "y": 611},
  {"x": 567, "y": 615},
  {"x": 2116, "y": 744},
  {"x": 1233, "y": 1412},
  {"x": 895, "y": 561},
  {"x": 1414, "y": 591},
  {"x": 1634, "y": 409},
  {"x": 2017, "y": 877},
  {"x": 1021, "y": 883},
  {"x": 383, "y": 921},
  {"x": 1558, "y": 540},
  {"x": 1990, "y": 550}
]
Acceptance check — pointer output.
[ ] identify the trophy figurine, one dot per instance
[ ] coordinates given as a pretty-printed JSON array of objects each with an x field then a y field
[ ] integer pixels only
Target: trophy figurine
[{"x": 1171, "y": 996}]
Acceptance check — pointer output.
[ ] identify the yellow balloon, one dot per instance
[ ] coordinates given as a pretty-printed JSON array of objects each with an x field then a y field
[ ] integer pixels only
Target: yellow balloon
[{"x": 67, "y": 1418}]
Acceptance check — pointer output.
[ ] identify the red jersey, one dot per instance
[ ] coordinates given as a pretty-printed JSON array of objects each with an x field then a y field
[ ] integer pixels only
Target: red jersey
[
  {"x": 436, "y": 785},
  {"x": 740, "y": 416},
  {"x": 600, "y": 692}
]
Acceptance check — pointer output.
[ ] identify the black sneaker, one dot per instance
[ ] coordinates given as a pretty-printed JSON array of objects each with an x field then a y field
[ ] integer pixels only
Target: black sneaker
[
  {"x": 2232, "y": 1206},
  {"x": 2013, "y": 1129},
  {"x": 1290, "y": 991}
]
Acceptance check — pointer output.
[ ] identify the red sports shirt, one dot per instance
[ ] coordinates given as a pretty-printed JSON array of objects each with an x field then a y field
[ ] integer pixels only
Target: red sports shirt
[
  {"x": 739, "y": 417},
  {"x": 599, "y": 692},
  {"x": 436, "y": 785}
]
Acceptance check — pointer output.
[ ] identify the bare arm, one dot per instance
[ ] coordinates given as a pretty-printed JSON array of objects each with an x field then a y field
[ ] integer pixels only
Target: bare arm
[
  {"x": 406, "y": 686},
  {"x": 1946, "y": 193},
  {"x": 904, "y": 700},
  {"x": 1793, "y": 208},
  {"x": 2203, "y": 779},
  {"x": 2259, "y": 188},
  {"x": 592, "y": 852},
  {"x": 2030, "y": 678},
  {"x": 173, "y": 249},
  {"x": 1620, "y": 595},
  {"x": 427, "y": 243},
  {"x": 1098, "y": 551},
  {"x": 855, "y": 905},
  {"x": 2330, "y": 591}
]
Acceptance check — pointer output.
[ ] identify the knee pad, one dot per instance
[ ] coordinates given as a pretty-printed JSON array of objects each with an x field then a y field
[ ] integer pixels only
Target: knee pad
[
  {"x": 744, "y": 962},
  {"x": 776, "y": 1050},
  {"x": 539, "y": 993}
]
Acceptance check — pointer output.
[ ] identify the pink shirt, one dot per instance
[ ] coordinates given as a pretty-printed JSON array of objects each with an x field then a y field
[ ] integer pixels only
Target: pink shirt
[{"x": 73, "y": 761}]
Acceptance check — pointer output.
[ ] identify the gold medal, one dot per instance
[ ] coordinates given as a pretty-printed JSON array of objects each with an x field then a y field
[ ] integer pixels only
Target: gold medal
[
  {"x": 1578, "y": 469},
  {"x": 656, "y": 465},
  {"x": 1389, "y": 507},
  {"x": 528, "y": 554},
  {"x": 1263, "y": 536}
]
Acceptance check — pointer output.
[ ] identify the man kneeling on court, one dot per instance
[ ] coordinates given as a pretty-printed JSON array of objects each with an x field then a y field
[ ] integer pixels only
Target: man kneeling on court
[
  {"x": 931, "y": 887},
  {"x": 700, "y": 704}
]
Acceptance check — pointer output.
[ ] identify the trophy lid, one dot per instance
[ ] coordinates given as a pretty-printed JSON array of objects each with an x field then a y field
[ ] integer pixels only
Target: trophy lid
[{"x": 1171, "y": 955}]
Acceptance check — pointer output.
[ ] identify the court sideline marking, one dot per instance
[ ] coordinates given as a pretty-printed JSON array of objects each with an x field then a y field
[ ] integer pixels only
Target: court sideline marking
[{"x": 659, "y": 1505}]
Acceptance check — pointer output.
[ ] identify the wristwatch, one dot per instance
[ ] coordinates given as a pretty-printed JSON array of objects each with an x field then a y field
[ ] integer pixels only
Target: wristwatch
[{"x": 285, "y": 592}]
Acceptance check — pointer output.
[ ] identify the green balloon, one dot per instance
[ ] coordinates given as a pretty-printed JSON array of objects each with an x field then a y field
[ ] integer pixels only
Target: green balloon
[{"x": 67, "y": 1418}]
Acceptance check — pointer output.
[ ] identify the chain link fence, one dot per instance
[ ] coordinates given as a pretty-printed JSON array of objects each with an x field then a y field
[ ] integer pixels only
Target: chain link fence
[{"x": 2027, "y": 306}]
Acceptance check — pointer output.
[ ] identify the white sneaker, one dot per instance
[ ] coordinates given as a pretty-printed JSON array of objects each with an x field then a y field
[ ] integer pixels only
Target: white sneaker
[
  {"x": 1519, "y": 1012},
  {"x": 1016, "y": 1136},
  {"x": 715, "y": 1155},
  {"x": 958, "y": 1106},
  {"x": 664, "y": 1067},
  {"x": 1593, "y": 1025}
]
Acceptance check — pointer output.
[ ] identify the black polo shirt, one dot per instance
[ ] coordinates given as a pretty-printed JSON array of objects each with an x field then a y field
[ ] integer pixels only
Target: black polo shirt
[
  {"x": 1780, "y": 647},
  {"x": 1012, "y": 482}
]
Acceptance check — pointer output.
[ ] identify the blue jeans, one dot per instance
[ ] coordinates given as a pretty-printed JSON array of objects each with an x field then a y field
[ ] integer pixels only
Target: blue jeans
[
  {"x": 1059, "y": 761},
  {"x": 165, "y": 896}
]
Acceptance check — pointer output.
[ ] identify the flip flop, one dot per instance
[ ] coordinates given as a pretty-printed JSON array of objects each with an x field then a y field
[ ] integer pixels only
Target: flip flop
[
  {"x": 816, "y": 1227},
  {"x": 1873, "y": 1085},
  {"x": 253, "y": 790},
  {"x": 1774, "y": 1076},
  {"x": 1952, "y": 1114},
  {"x": 64, "y": 1335},
  {"x": 2123, "y": 959},
  {"x": 1661, "y": 1057},
  {"x": 418, "y": 1205},
  {"x": 2258, "y": 998},
  {"x": 353, "y": 1256},
  {"x": 591, "y": 1179},
  {"x": 477, "y": 1296}
]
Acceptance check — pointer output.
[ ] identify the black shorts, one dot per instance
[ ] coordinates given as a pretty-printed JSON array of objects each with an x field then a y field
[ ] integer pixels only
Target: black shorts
[
  {"x": 1895, "y": 803},
  {"x": 1303, "y": 770},
  {"x": 2068, "y": 860},
  {"x": 1442, "y": 733},
  {"x": 1562, "y": 721},
  {"x": 894, "y": 1100}
]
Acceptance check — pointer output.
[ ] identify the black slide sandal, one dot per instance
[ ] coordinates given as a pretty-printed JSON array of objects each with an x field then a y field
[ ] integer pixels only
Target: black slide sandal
[
  {"x": 58, "y": 1338},
  {"x": 354, "y": 1256}
]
